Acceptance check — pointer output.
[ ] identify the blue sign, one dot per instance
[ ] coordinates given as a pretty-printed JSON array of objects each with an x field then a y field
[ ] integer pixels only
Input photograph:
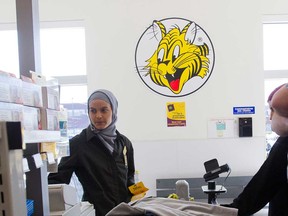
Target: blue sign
[{"x": 243, "y": 110}]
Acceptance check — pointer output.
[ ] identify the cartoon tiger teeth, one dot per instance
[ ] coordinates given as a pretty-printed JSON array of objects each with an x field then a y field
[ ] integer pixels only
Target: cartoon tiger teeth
[{"x": 177, "y": 59}]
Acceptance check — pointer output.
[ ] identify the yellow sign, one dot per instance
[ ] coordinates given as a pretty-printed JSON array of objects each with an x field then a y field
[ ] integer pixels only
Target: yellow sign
[
  {"x": 138, "y": 190},
  {"x": 176, "y": 114}
]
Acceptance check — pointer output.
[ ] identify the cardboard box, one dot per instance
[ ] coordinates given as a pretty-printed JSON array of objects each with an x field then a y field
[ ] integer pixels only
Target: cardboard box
[
  {"x": 10, "y": 88},
  {"x": 11, "y": 112},
  {"x": 31, "y": 118},
  {"x": 49, "y": 119},
  {"x": 51, "y": 97},
  {"x": 32, "y": 94}
]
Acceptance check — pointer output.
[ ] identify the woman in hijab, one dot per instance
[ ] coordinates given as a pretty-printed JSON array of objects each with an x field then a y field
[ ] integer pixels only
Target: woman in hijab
[{"x": 101, "y": 157}]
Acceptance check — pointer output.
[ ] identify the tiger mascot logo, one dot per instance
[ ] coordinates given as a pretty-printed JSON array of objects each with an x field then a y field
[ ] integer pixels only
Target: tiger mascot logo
[{"x": 168, "y": 57}]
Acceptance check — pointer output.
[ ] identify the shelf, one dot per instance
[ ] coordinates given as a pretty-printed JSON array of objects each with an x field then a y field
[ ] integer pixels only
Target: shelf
[{"x": 37, "y": 136}]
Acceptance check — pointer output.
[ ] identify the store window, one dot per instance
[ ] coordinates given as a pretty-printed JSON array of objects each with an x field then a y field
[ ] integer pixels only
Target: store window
[
  {"x": 9, "y": 50},
  {"x": 63, "y": 56},
  {"x": 275, "y": 46},
  {"x": 275, "y": 36},
  {"x": 63, "y": 51}
]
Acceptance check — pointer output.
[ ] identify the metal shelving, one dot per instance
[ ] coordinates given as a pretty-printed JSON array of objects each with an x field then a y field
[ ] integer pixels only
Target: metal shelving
[{"x": 36, "y": 178}]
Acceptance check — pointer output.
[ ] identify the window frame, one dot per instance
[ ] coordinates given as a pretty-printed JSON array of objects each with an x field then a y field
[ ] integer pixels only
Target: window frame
[
  {"x": 63, "y": 80},
  {"x": 272, "y": 75}
]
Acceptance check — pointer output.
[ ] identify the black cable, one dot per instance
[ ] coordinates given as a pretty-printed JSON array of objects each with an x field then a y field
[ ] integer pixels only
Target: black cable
[{"x": 225, "y": 179}]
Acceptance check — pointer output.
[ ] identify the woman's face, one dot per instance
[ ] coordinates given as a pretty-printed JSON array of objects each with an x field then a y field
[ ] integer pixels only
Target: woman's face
[{"x": 100, "y": 114}]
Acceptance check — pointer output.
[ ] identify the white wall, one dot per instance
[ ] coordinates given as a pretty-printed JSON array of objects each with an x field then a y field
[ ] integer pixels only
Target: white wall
[{"x": 113, "y": 29}]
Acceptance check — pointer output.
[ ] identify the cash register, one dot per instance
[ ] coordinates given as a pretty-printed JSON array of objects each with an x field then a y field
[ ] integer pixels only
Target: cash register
[{"x": 63, "y": 202}]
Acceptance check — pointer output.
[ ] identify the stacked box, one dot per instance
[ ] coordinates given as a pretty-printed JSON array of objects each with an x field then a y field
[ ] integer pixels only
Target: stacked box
[
  {"x": 28, "y": 116},
  {"x": 31, "y": 118},
  {"x": 32, "y": 94},
  {"x": 51, "y": 97},
  {"x": 10, "y": 88},
  {"x": 50, "y": 119},
  {"x": 11, "y": 112}
]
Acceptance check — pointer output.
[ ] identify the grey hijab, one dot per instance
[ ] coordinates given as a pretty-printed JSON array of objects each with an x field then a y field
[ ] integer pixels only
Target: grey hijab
[{"x": 107, "y": 135}]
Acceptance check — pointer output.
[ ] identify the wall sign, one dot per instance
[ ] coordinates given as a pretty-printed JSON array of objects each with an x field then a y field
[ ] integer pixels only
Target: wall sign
[
  {"x": 243, "y": 110},
  {"x": 176, "y": 114},
  {"x": 174, "y": 57},
  {"x": 221, "y": 128}
]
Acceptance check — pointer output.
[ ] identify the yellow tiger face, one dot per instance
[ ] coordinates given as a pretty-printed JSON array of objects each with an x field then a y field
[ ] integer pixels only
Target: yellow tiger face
[{"x": 177, "y": 59}]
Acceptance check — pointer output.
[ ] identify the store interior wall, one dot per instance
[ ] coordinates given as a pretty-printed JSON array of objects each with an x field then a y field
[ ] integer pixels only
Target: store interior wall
[{"x": 113, "y": 29}]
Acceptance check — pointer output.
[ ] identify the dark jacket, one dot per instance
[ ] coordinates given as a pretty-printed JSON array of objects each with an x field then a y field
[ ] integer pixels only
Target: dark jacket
[
  {"x": 268, "y": 185},
  {"x": 105, "y": 177}
]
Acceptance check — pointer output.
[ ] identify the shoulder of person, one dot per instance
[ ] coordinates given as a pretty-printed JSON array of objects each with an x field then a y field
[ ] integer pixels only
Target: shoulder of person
[
  {"x": 79, "y": 136},
  {"x": 280, "y": 146},
  {"x": 124, "y": 138}
]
